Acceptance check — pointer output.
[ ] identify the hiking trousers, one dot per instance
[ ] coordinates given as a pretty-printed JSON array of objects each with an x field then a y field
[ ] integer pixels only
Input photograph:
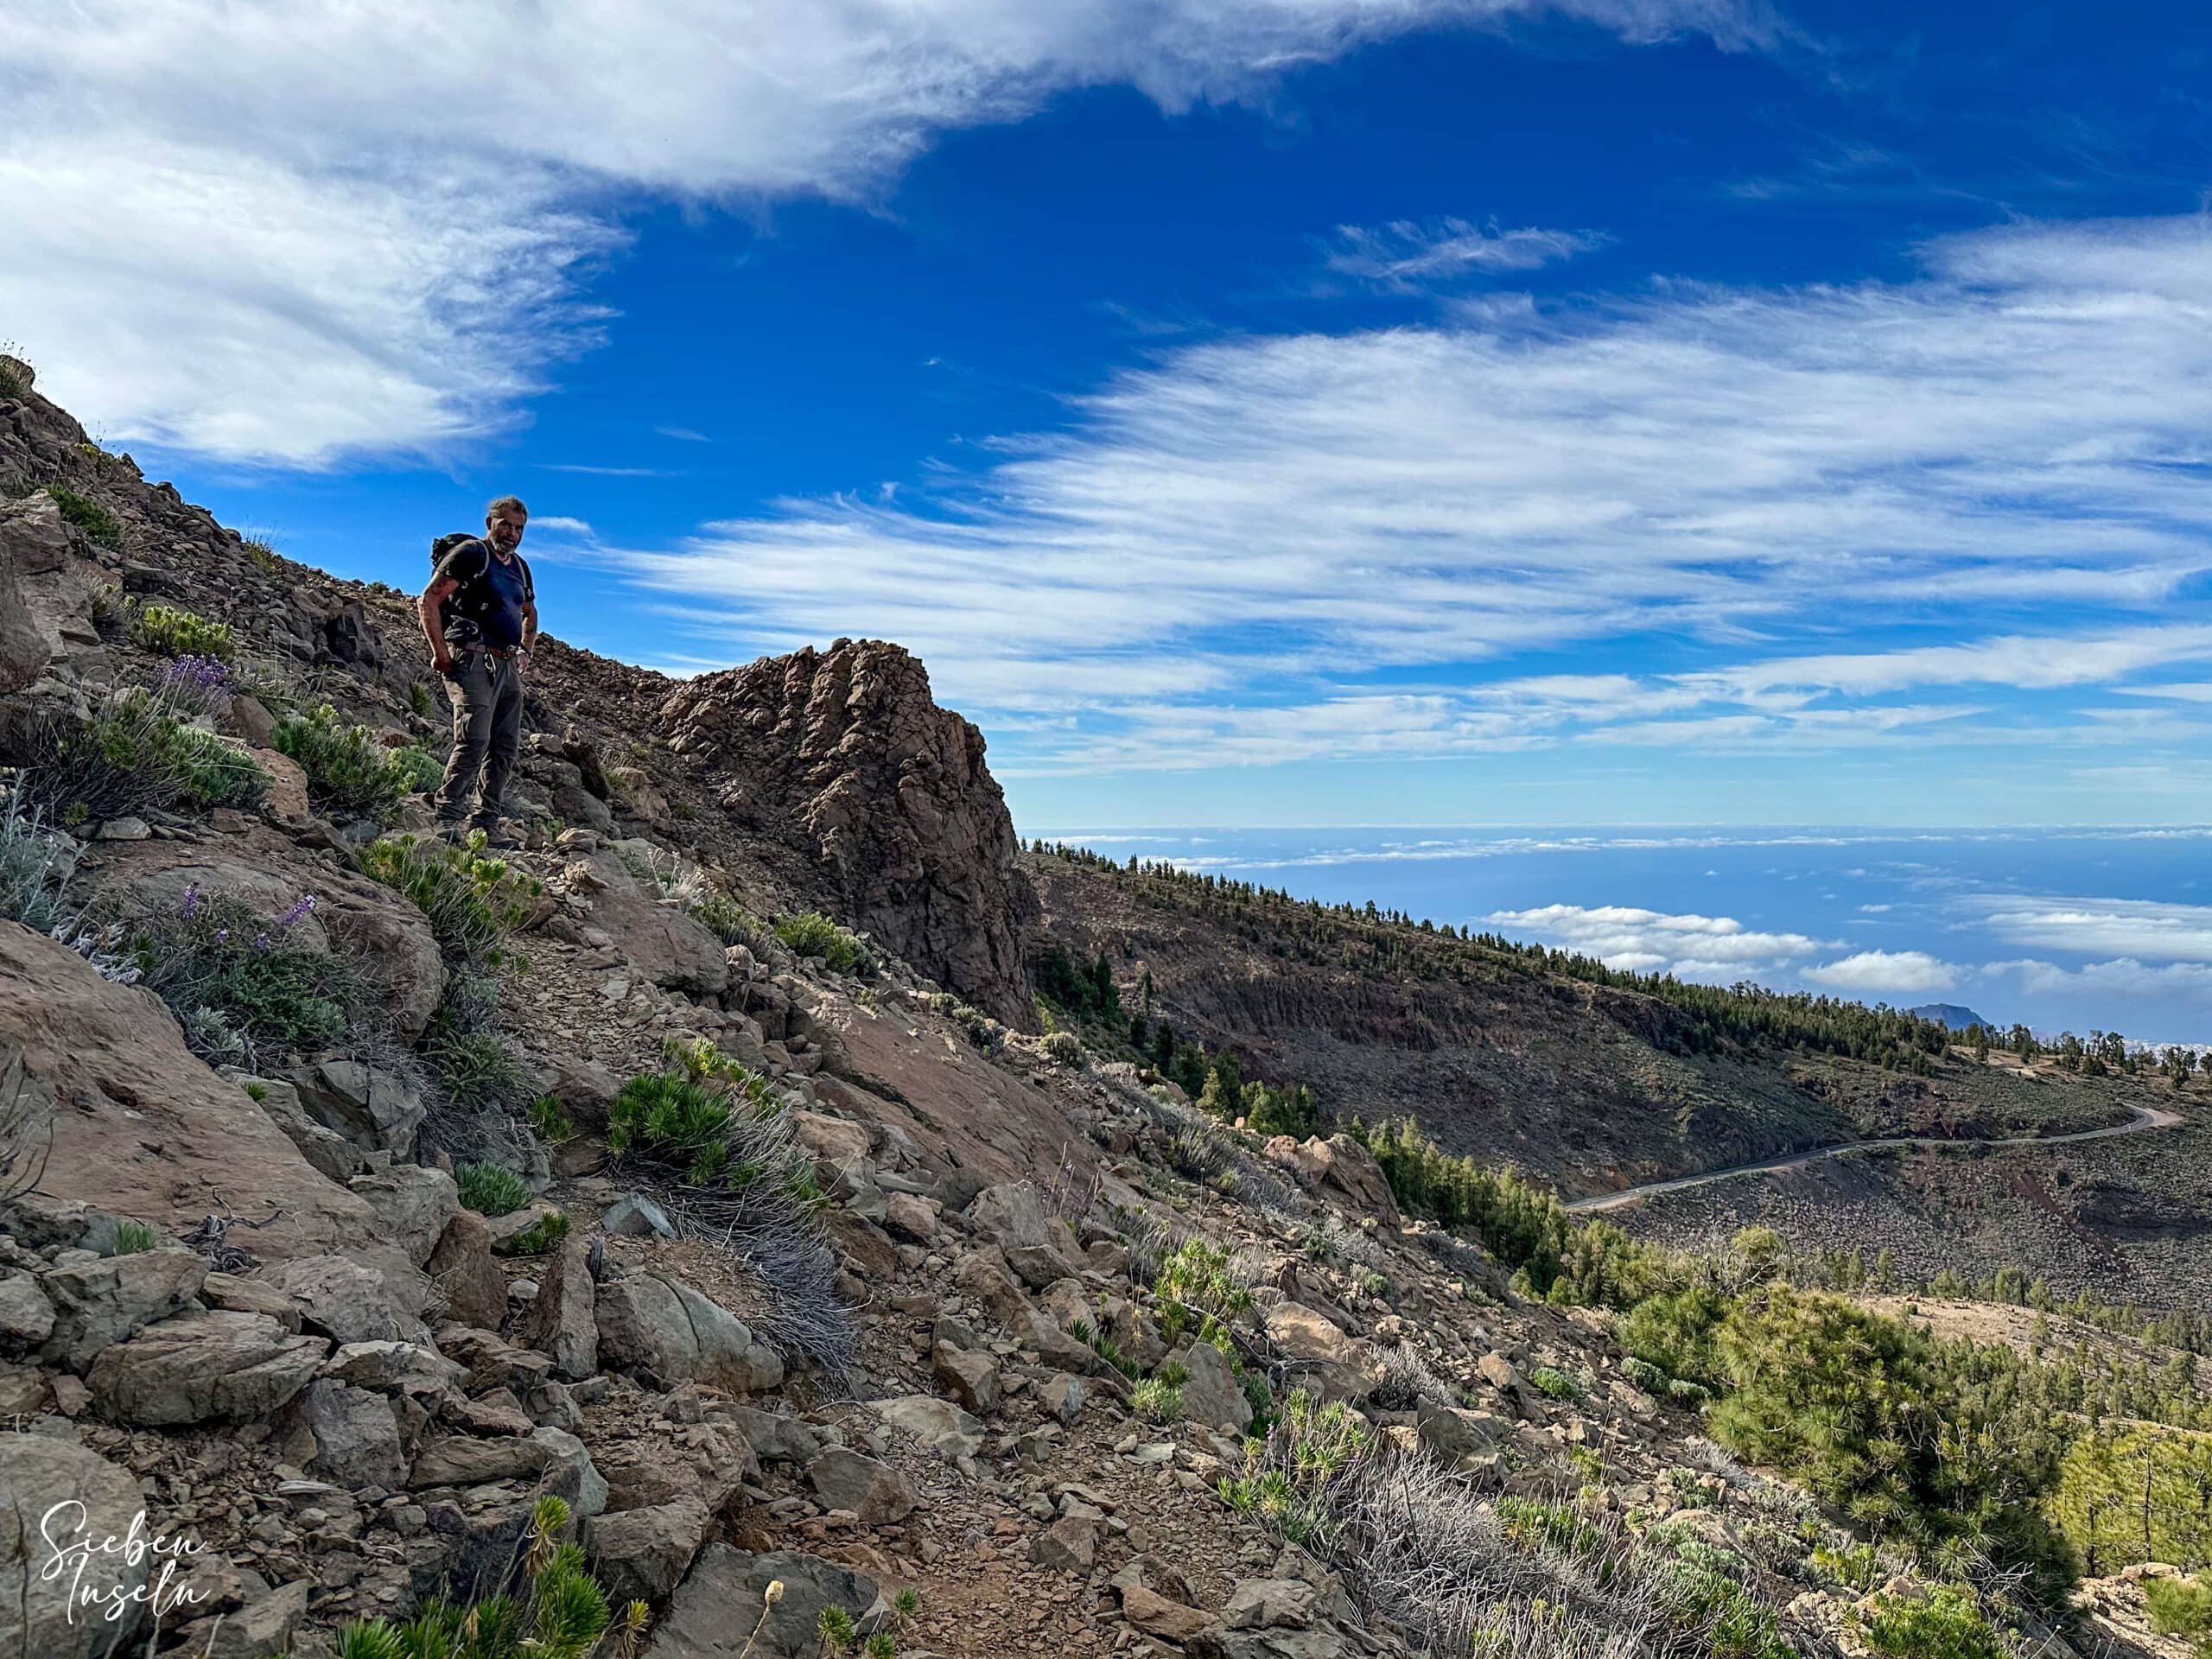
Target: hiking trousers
[{"x": 486, "y": 695}]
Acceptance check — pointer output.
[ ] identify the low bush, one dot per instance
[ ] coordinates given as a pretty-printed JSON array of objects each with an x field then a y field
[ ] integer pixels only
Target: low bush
[
  {"x": 560, "y": 1611},
  {"x": 134, "y": 756},
  {"x": 490, "y": 1190},
  {"x": 167, "y": 631},
  {"x": 1946, "y": 1624},
  {"x": 88, "y": 515},
  {"x": 1554, "y": 1384},
  {"x": 133, "y": 1237},
  {"x": 246, "y": 992},
  {"x": 1157, "y": 1401},
  {"x": 813, "y": 934},
  {"x": 541, "y": 1236},
  {"x": 471, "y": 902},
  {"x": 728, "y": 920},
  {"x": 348, "y": 768},
  {"x": 2180, "y": 1607},
  {"x": 1201, "y": 1288},
  {"x": 34, "y": 867},
  {"x": 711, "y": 1137}
]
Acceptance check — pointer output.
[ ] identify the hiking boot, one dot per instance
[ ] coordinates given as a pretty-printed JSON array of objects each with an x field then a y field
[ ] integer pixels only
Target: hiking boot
[
  {"x": 453, "y": 829},
  {"x": 499, "y": 836}
]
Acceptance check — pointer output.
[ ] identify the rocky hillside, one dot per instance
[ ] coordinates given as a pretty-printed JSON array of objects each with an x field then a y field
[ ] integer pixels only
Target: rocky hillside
[
  {"x": 1596, "y": 1085},
  {"x": 656, "y": 1242}
]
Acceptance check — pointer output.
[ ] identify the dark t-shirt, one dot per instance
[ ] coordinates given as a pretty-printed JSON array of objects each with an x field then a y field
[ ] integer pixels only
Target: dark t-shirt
[{"x": 486, "y": 610}]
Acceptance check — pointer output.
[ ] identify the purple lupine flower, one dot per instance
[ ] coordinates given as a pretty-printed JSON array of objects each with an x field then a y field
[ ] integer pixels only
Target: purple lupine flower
[
  {"x": 222, "y": 936},
  {"x": 300, "y": 906},
  {"x": 203, "y": 674},
  {"x": 261, "y": 941},
  {"x": 191, "y": 901}
]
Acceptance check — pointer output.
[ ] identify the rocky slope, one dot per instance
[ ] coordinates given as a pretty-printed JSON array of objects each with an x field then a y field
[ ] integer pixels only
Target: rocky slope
[
  {"x": 1596, "y": 1086},
  {"x": 955, "y": 1352}
]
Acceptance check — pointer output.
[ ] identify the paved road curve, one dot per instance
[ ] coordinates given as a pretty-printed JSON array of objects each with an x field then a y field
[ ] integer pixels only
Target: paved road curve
[{"x": 2146, "y": 1117}]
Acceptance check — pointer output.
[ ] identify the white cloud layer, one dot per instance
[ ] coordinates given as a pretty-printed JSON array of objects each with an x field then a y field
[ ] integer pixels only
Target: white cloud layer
[
  {"x": 2135, "y": 928},
  {"x": 284, "y": 232},
  {"x": 1879, "y": 973},
  {"x": 2020, "y": 429},
  {"x": 1715, "y": 949}
]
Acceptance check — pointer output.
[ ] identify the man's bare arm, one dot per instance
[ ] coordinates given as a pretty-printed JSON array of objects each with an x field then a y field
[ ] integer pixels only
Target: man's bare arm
[
  {"x": 433, "y": 627},
  {"x": 529, "y": 623}
]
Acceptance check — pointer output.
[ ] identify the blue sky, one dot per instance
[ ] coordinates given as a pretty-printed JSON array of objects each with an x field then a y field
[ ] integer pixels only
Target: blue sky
[{"x": 1255, "y": 411}]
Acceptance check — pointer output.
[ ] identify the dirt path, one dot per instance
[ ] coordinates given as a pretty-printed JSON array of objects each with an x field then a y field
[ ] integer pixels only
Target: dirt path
[{"x": 2146, "y": 1117}]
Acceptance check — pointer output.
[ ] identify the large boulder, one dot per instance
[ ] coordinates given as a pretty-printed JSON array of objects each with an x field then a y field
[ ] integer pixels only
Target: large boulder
[
  {"x": 1211, "y": 1393},
  {"x": 643, "y": 1553},
  {"x": 356, "y": 1437},
  {"x": 236, "y": 1367},
  {"x": 879, "y": 801},
  {"x": 721, "y": 1609},
  {"x": 875, "y": 1491},
  {"x": 563, "y": 1320},
  {"x": 29, "y": 530},
  {"x": 351, "y": 1300},
  {"x": 467, "y": 1280},
  {"x": 665, "y": 943},
  {"x": 1011, "y": 1215},
  {"x": 102, "y": 1302},
  {"x": 142, "y": 1128},
  {"x": 416, "y": 1203},
  {"x": 664, "y": 1332},
  {"x": 37, "y": 1474},
  {"x": 1343, "y": 1166},
  {"x": 377, "y": 1109}
]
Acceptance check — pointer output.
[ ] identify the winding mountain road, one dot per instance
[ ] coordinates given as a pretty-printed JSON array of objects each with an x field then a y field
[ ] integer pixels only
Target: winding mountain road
[{"x": 2146, "y": 1118}]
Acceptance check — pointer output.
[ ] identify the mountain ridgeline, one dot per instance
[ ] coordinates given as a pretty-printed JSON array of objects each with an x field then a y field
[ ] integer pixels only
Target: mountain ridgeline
[{"x": 1546, "y": 1059}]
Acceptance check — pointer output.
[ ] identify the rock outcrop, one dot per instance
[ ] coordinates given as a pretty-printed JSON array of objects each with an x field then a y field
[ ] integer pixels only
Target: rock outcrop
[{"x": 846, "y": 750}]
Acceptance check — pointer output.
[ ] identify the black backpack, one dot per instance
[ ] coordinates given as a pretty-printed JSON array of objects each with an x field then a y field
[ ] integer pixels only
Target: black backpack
[{"x": 467, "y": 601}]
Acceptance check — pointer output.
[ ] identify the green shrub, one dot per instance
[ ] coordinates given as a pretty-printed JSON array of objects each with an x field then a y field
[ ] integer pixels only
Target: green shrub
[
  {"x": 1646, "y": 1376},
  {"x": 1554, "y": 1384},
  {"x": 134, "y": 756},
  {"x": 266, "y": 557},
  {"x": 835, "y": 1627},
  {"x": 728, "y": 920},
  {"x": 471, "y": 902},
  {"x": 541, "y": 1236},
  {"x": 348, "y": 769},
  {"x": 167, "y": 631},
  {"x": 474, "y": 1068},
  {"x": 88, "y": 515},
  {"x": 561, "y": 1612},
  {"x": 133, "y": 1237},
  {"x": 1531, "y": 1521},
  {"x": 552, "y": 1120},
  {"x": 33, "y": 869},
  {"x": 1947, "y": 1625},
  {"x": 1157, "y": 1401},
  {"x": 490, "y": 1190},
  {"x": 2180, "y": 1607},
  {"x": 245, "y": 993},
  {"x": 813, "y": 934},
  {"x": 15, "y": 382}
]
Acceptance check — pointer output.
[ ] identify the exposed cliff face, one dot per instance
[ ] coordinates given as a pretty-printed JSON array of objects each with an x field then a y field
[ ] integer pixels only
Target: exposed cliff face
[{"x": 846, "y": 753}]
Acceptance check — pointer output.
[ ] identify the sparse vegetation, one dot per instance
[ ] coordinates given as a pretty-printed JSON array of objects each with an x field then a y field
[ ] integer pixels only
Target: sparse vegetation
[
  {"x": 560, "y": 1611},
  {"x": 132, "y": 1237},
  {"x": 810, "y": 933},
  {"x": 490, "y": 1190},
  {"x": 349, "y": 769},
  {"x": 96, "y": 521},
  {"x": 168, "y": 632},
  {"x": 134, "y": 756},
  {"x": 472, "y": 902}
]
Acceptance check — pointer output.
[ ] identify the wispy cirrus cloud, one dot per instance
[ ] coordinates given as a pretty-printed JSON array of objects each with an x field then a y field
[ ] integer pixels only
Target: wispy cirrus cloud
[
  {"x": 1298, "y": 525},
  {"x": 1407, "y": 255},
  {"x": 406, "y": 232}
]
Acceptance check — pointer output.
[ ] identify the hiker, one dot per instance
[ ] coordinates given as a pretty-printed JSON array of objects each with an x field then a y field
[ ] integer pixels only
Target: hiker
[{"x": 479, "y": 614}]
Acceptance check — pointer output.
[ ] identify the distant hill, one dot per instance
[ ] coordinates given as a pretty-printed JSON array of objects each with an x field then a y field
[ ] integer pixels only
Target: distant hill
[{"x": 1953, "y": 1016}]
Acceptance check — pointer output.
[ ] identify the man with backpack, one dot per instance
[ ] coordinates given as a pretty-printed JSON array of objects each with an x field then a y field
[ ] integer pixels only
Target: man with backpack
[{"x": 480, "y": 614}]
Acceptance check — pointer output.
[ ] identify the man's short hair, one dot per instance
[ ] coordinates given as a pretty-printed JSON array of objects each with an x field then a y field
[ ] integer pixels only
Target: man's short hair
[{"x": 506, "y": 503}]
